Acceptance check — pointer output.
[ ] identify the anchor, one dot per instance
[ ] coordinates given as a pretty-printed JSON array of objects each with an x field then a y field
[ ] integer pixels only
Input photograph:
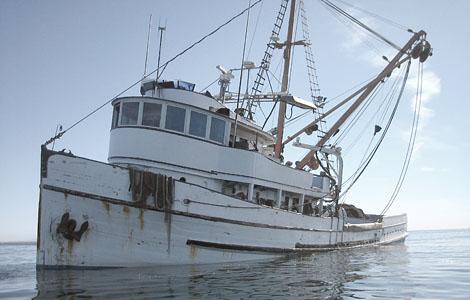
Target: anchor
[{"x": 67, "y": 228}]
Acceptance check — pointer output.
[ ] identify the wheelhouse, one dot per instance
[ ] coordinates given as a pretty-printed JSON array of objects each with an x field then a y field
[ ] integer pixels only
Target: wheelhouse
[
  {"x": 160, "y": 114},
  {"x": 170, "y": 123}
]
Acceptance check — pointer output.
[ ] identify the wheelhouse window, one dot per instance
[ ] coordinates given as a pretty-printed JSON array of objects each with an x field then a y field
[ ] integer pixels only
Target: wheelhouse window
[
  {"x": 198, "y": 124},
  {"x": 116, "y": 110},
  {"x": 184, "y": 85},
  {"x": 152, "y": 114},
  {"x": 175, "y": 118},
  {"x": 217, "y": 132},
  {"x": 130, "y": 113}
]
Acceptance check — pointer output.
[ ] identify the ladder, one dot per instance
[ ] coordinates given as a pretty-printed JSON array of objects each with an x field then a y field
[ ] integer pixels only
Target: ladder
[
  {"x": 311, "y": 69},
  {"x": 268, "y": 53}
]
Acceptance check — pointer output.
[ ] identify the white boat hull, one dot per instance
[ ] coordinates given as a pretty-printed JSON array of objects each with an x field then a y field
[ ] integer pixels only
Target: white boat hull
[{"x": 202, "y": 226}]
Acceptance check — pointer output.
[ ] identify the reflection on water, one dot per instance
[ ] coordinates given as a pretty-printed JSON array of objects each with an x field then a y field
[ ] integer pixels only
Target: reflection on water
[
  {"x": 430, "y": 265},
  {"x": 324, "y": 275}
]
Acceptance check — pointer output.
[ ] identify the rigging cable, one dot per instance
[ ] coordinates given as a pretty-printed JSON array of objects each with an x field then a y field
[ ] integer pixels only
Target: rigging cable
[
  {"x": 383, "y": 19},
  {"x": 209, "y": 34},
  {"x": 354, "y": 29},
  {"x": 374, "y": 151},
  {"x": 256, "y": 28},
  {"x": 359, "y": 113},
  {"x": 275, "y": 103},
  {"x": 359, "y": 23},
  {"x": 60, "y": 134},
  {"x": 210, "y": 84},
  {"x": 390, "y": 96},
  {"x": 274, "y": 75},
  {"x": 304, "y": 114},
  {"x": 241, "y": 77},
  {"x": 411, "y": 141},
  {"x": 296, "y": 118}
]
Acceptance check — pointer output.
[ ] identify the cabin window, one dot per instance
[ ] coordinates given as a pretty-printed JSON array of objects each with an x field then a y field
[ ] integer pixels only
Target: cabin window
[
  {"x": 130, "y": 113},
  {"x": 175, "y": 118},
  {"x": 198, "y": 124},
  {"x": 152, "y": 114},
  {"x": 116, "y": 110},
  {"x": 217, "y": 132}
]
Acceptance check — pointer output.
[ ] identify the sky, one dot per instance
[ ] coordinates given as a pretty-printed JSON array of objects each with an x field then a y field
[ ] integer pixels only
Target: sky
[{"x": 61, "y": 59}]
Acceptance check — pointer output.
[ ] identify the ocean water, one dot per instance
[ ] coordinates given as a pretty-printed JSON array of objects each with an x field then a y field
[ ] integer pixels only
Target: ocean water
[{"x": 429, "y": 265}]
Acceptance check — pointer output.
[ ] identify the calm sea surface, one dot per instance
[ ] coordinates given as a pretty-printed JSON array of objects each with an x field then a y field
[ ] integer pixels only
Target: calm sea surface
[{"x": 431, "y": 265}]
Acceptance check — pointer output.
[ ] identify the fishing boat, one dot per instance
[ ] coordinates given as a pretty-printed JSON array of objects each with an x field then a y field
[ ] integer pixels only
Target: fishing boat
[{"x": 193, "y": 178}]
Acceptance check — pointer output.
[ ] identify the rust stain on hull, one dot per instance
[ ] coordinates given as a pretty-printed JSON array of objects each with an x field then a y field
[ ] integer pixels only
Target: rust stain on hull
[
  {"x": 125, "y": 210},
  {"x": 106, "y": 206},
  {"x": 193, "y": 251},
  {"x": 141, "y": 218},
  {"x": 69, "y": 246}
]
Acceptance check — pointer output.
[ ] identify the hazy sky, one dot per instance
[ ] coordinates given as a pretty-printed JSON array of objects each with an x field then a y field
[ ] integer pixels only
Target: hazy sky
[{"x": 60, "y": 59}]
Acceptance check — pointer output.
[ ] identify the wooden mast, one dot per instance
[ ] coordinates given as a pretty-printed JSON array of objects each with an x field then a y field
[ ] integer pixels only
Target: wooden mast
[
  {"x": 285, "y": 82},
  {"x": 309, "y": 159}
]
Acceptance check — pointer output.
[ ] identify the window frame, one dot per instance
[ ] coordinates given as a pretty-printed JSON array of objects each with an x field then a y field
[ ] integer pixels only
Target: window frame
[
  {"x": 184, "y": 131},
  {"x": 115, "y": 123},
  {"x": 224, "y": 131},
  {"x": 206, "y": 125},
  {"x": 187, "y": 108},
  {"x": 162, "y": 107},
  {"x": 138, "y": 121}
]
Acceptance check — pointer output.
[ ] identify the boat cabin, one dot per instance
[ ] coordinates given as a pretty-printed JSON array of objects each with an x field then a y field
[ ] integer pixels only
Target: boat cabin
[{"x": 173, "y": 130}]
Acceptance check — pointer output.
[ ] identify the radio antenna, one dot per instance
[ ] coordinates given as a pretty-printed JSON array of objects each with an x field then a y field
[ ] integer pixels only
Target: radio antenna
[
  {"x": 160, "y": 29},
  {"x": 147, "y": 51}
]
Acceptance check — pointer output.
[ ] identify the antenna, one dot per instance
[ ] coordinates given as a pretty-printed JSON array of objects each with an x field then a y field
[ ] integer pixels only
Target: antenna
[
  {"x": 147, "y": 51},
  {"x": 161, "y": 29},
  {"x": 58, "y": 128}
]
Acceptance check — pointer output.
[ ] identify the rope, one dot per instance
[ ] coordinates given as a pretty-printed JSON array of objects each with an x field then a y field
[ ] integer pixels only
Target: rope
[
  {"x": 275, "y": 103},
  {"x": 256, "y": 28},
  {"x": 359, "y": 23},
  {"x": 379, "y": 17},
  {"x": 361, "y": 164},
  {"x": 60, "y": 134},
  {"x": 210, "y": 84},
  {"x": 296, "y": 118},
  {"x": 241, "y": 76},
  {"x": 390, "y": 96},
  {"x": 209, "y": 34},
  {"x": 304, "y": 114},
  {"x": 358, "y": 115},
  {"x": 385, "y": 130},
  {"x": 354, "y": 29},
  {"x": 411, "y": 141}
]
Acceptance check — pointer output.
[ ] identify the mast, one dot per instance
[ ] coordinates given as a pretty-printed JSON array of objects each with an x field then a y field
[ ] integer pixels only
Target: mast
[{"x": 285, "y": 82}]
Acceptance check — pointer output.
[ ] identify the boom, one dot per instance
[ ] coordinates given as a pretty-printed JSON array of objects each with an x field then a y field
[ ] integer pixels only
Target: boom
[{"x": 309, "y": 159}]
